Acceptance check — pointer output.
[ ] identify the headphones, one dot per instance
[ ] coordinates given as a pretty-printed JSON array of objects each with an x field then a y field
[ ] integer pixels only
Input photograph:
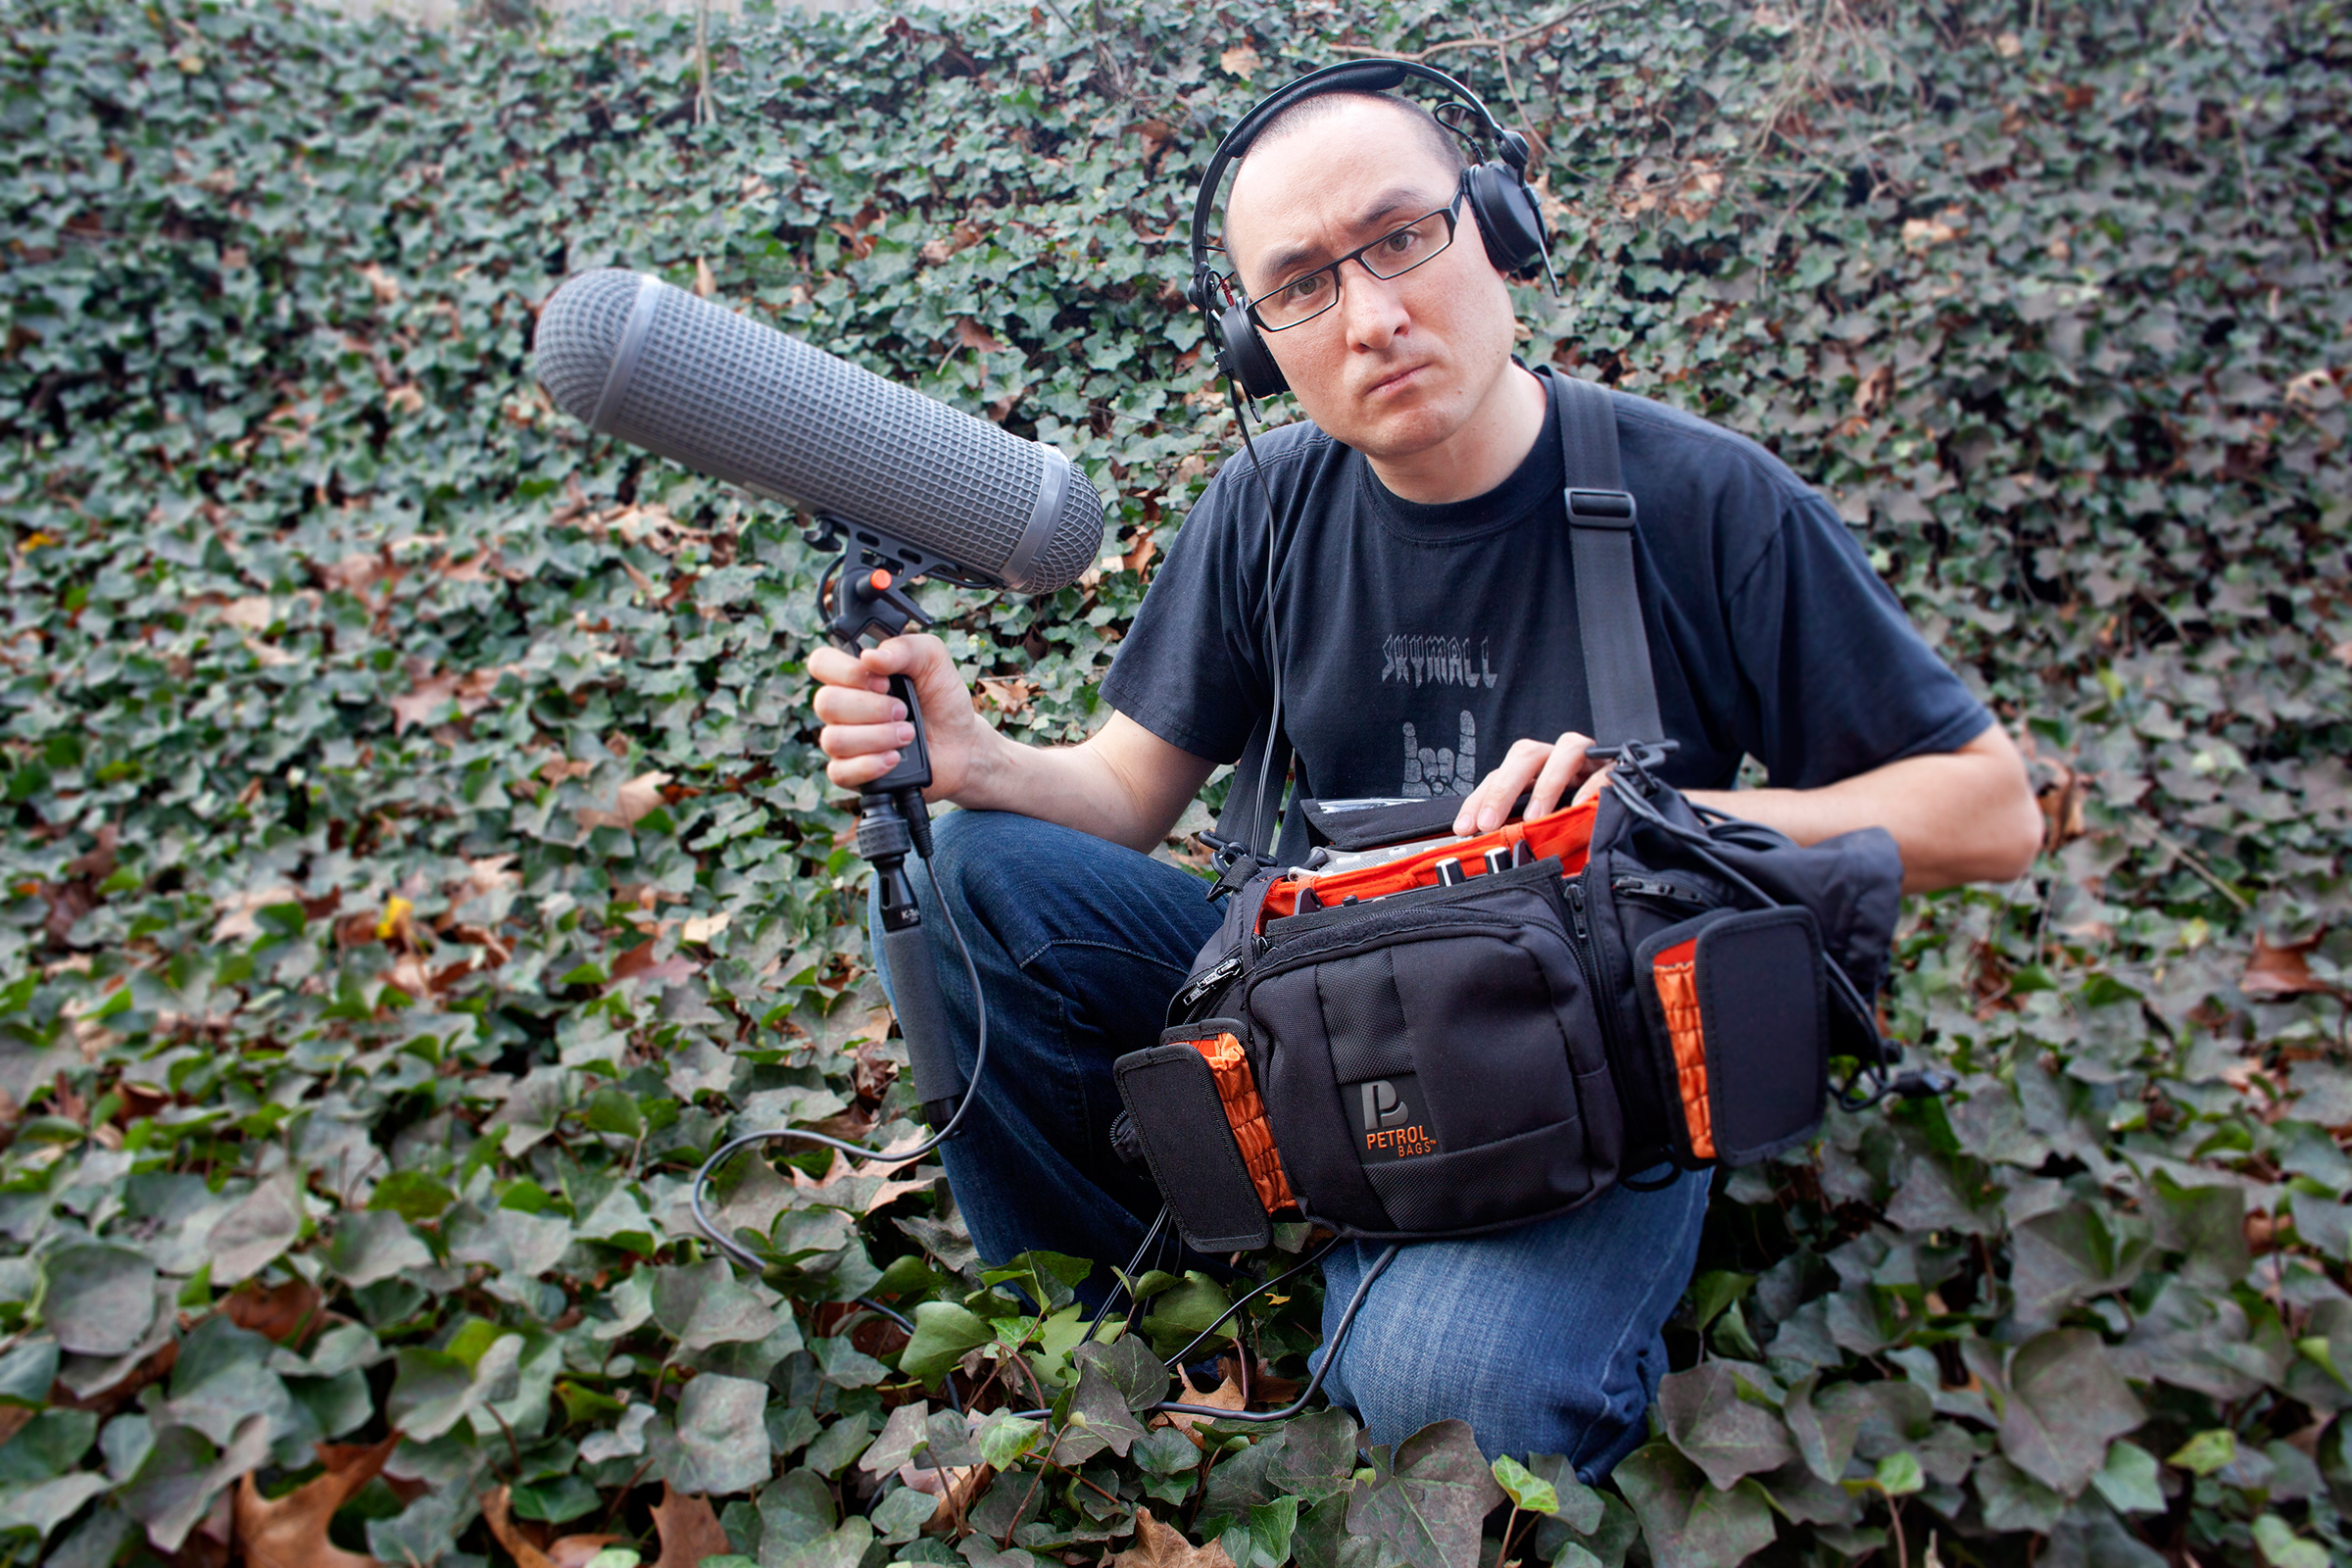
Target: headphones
[{"x": 1507, "y": 217}]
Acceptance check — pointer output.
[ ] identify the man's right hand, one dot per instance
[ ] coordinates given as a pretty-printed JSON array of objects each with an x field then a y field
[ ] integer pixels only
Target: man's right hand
[{"x": 864, "y": 726}]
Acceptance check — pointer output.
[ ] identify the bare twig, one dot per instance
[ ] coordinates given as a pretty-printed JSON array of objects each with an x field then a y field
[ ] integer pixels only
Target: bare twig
[
  {"x": 2187, "y": 856},
  {"x": 705, "y": 109},
  {"x": 1421, "y": 56}
]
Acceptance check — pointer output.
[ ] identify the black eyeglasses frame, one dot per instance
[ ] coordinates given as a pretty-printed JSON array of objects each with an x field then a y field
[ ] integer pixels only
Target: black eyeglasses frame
[{"x": 1450, "y": 212}]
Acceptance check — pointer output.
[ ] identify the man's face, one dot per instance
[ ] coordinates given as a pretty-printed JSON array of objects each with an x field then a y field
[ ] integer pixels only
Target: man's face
[{"x": 1397, "y": 366}]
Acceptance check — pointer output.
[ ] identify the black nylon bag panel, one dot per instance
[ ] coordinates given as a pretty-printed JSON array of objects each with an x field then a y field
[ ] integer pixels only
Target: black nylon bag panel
[
  {"x": 1363, "y": 1018},
  {"x": 1477, "y": 993},
  {"x": 1171, "y": 1092},
  {"x": 1764, "y": 1010},
  {"x": 1305, "y": 1105},
  {"x": 1497, "y": 1184},
  {"x": 1496, "y": 1023}
]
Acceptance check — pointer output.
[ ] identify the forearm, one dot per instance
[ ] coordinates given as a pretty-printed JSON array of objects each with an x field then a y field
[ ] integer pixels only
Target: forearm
[
  {"x": 1086, "y": 787},
  {"x": 1957, "y": 817}
]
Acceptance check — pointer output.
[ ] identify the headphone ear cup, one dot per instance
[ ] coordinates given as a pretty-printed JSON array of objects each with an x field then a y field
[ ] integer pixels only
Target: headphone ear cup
[
  {"x": 1245, "y": 356},
  {"x": 1507, "y": 218}
]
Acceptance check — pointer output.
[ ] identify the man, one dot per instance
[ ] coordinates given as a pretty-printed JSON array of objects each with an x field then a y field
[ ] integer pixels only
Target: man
[{"x": 1428, "y": 645}]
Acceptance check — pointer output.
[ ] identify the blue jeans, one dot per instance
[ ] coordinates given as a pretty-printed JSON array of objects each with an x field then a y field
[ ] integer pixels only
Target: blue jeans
[{"x": 1545, "y": 1337}]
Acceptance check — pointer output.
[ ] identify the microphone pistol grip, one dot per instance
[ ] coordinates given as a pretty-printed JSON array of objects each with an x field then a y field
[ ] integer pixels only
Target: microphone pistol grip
[{"x": 913, "y": 770}]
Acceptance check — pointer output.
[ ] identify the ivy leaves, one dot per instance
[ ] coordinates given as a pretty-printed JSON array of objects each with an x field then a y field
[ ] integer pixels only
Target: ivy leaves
[{"x": 417, "y": 858}]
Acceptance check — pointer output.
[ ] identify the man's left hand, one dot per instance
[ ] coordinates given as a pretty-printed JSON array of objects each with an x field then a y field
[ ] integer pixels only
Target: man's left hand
[{"x": 1550, "y": 768}]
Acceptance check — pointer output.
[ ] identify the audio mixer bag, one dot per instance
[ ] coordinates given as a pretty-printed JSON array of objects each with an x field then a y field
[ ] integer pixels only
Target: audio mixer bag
[{"x": 1411, "y": 1035}]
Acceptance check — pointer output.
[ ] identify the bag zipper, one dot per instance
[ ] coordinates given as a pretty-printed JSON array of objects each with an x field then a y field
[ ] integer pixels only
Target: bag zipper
[
  {"x": 1650, "y": 891},
  {"x": 1587, "y": 962}
]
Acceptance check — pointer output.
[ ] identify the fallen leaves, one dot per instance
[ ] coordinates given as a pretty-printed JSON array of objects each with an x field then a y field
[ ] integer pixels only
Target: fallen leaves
[
  {"x": 565, "y": 1551},
  {"x": 1240, "y": 61},
  {"x": 470, "y": 691},
  {"x": 1685, "y": 190},
  {"x": 1159, "y": 1545},
  {"x": 1007, "y": 695},
  {"x": 290, "y": 1531},
  {"x": 2277, "y": 972},
  {"x": 286, "y": 1313},
  {"x": 689, "y": 1531},
  {"x": 972, "y": 334},
  {"x": 1228, "y": 1395},
  {"x": 630, "y": 804},
  {"x": 702, "y": 927},
  {"x": 1926, "y": 233},
  {"x": 382, "y": 284}
]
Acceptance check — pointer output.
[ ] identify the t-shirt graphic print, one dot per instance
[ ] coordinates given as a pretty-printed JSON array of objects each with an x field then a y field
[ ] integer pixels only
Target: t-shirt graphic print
[{"x": 1417, "y": 643}]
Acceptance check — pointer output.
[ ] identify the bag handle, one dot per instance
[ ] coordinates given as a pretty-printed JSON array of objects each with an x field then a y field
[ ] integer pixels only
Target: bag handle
[{"x": 1623, "y": 694}]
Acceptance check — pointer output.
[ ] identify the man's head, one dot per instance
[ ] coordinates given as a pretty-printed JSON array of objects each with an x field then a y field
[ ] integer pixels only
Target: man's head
[{"x": 1396, "y": 365}]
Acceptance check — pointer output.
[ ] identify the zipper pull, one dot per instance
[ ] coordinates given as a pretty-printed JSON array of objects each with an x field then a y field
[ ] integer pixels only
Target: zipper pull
[{"x": 1576, "y": 907}]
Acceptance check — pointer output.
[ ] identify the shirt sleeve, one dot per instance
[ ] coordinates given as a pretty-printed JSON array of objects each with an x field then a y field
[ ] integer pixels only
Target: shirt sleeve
[
  {"x": 1190, "y": 670},
  {"x": 1843, "y": 681}
]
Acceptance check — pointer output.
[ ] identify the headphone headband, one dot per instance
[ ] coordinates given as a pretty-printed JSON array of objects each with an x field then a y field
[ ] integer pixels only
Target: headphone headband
[{"x": 1353, "y": 75}]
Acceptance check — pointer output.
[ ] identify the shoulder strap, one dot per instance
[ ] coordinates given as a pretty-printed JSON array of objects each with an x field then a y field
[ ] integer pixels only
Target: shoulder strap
[
  {"x": 1246, "y": 827},
  {"x": 1601, "y": 516}
]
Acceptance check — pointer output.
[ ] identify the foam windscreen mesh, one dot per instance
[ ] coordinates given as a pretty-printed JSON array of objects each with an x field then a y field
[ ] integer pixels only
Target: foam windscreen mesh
[{"x": 747, "y": 404}]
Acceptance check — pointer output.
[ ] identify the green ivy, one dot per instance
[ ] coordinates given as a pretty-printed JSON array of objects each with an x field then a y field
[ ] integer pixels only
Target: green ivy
[{"x": 416, "y": 855}]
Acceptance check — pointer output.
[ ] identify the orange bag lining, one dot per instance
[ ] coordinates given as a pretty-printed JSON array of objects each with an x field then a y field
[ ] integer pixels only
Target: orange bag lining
[
  {"x": 1245, "y": 1113},
  {"x": 1676, "y": 971},
  {"x": 1564, "y": 833}
]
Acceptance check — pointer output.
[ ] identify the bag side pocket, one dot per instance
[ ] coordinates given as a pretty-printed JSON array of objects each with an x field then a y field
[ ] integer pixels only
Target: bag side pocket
[
  {"x": 1737, "y": 1012},
  {"x": 1196, "y": 1162},
  {"x": 1665, "y": 970},
  {"x": 1763, "y": 1005}
]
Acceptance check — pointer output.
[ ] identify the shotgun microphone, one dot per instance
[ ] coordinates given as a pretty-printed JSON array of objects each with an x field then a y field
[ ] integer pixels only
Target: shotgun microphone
[{"x": 653, "y": 365}]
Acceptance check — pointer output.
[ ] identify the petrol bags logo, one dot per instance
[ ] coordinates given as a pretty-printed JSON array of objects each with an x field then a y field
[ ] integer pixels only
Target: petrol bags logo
[{"x": 1387, "y": 1114}]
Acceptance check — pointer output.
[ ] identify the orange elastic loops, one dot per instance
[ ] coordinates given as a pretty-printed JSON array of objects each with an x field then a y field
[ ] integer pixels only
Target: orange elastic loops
[
  {"x": 1564, "y": 833},
  {"x": 1676, "y": 971},
  {"x": 1246, "y": 1114}
]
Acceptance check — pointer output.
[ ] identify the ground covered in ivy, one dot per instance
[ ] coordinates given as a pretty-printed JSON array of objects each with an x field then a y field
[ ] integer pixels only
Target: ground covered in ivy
[{"x": 415, "y": 856}]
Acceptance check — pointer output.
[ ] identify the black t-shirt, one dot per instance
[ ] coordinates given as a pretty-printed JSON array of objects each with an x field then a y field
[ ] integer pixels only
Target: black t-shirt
[{"x": 1418, "y": 642}]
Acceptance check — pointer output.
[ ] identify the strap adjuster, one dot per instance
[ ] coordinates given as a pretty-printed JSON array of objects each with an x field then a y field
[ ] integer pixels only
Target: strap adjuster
[
  {"x": 1230, "y": 856},
  {"x": 1600, "y": 508}
]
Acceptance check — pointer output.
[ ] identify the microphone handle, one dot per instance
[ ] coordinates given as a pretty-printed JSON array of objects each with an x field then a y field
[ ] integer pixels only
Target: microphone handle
[{"x": 938, "y": 1081}]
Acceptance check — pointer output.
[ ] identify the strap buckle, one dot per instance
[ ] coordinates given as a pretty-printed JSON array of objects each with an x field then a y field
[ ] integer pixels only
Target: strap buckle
[
  {"x": 1602, "y": 509},
  {"x": 1230, "y": 856},
  {"x": 1638, "y": 760}
]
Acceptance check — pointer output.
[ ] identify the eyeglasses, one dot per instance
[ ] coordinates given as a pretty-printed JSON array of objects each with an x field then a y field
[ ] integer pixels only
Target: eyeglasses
[{"x": 1394, "y": 254}]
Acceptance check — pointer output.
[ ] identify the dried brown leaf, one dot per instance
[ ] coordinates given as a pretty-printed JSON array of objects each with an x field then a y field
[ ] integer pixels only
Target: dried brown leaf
[
  {"x": 286, "y": 1313},
  {"x": 2277, "y": 972},
  {"x": 630, "y": 804},
  {"x": 290, "y": 1531},
  {"x": 689, "y": 1531},
  {"x": 1240, "y": 61},
  {"x": 1159, "y": 1545}
]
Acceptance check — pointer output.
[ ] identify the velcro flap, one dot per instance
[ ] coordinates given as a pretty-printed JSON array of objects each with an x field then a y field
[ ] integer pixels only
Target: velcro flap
[
  {"x": 1760, "y": 988},
  {"x": 1171, "y": 1091}
]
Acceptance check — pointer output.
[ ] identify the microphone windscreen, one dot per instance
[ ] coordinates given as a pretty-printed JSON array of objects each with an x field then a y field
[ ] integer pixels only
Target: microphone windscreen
[{"x": 660, "y": 369}]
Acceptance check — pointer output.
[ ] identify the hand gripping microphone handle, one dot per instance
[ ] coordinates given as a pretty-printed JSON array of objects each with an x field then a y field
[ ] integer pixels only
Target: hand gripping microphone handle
[{"x": 891, "y": 821}]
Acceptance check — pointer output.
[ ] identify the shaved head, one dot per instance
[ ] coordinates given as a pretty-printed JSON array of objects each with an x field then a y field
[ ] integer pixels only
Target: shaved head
[{"x": 1307, "y": 113}]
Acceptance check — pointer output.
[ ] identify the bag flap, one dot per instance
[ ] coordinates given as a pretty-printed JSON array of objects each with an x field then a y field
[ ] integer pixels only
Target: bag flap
[
  {"x": 1370, "y": 822},
  {"x": 1171, "y": 1092}
]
